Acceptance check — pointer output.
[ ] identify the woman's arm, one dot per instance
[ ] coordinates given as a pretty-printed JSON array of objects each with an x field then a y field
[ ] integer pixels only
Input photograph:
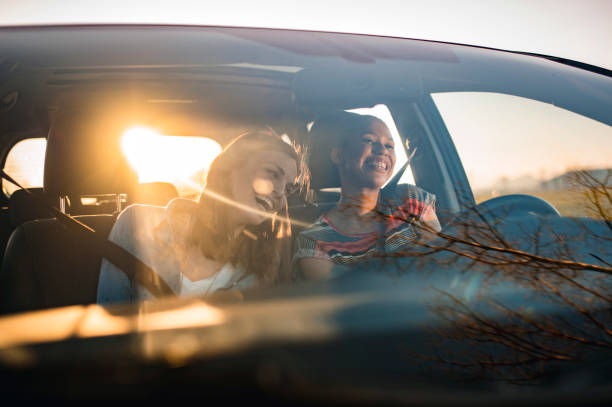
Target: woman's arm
[
  {"x": 310, "y": 262},
  {"x": 113, "y": 284}
]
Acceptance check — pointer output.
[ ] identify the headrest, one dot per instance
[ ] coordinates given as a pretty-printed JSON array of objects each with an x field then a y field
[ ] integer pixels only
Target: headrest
[
  {"x": 327, "y": 132},
  {"x": 84, "y": 157},
  {"x": 22, "y": 207}
]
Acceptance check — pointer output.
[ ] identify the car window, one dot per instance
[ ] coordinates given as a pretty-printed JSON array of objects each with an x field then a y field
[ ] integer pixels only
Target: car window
[
  {"x": 509, "y": 145},
  {"x": 179, "y": 160},
  {"x": 25, "y": 163}
]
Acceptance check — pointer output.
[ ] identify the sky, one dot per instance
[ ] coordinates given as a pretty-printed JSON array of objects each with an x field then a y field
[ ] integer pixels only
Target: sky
[
  {"x": 579, "y": 30},
  {"x": 573, "y": 29}
]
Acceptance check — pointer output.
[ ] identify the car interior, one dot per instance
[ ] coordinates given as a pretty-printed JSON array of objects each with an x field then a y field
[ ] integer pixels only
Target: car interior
[
  {"x": 518, "y": 315},
  {"x": 82, "y": 96},
  {"x": 47, "y": 265}
]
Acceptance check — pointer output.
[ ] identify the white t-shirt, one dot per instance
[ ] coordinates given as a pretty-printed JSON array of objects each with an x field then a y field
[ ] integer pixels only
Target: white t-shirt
[
  {"x": 157, "y": 236},
  {"x": 222, "y": 279}
]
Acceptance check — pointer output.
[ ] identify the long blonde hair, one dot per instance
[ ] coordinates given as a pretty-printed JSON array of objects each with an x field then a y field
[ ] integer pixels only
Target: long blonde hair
[{"x": 264, "y": 249}]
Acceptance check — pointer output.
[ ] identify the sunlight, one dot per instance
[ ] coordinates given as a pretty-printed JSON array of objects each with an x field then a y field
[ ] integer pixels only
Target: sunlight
[
  {"x": 25, "y": 163},
  {"x": 174, "y": 159},
  {"x": 510, "y": 142}
]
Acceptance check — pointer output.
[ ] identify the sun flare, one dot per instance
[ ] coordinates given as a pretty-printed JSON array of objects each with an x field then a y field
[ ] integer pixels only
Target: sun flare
[{"x": 175, "y": 159}]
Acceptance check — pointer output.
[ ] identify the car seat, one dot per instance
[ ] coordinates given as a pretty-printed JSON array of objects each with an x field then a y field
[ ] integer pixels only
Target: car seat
[
  {"x": 324, "y": 177},
  {"x": 46, "y": 265},
  {"x": 23, "y": 207}
]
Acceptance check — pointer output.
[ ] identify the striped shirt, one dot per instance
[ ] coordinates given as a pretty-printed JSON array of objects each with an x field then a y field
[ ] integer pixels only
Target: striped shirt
[{"x": 400, "y": 210}]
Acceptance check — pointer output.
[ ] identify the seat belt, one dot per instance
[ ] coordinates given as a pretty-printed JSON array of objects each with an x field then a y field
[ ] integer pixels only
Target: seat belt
[
  {"x": 392, "y": 184},
  {"x": 135, "y": 269}
]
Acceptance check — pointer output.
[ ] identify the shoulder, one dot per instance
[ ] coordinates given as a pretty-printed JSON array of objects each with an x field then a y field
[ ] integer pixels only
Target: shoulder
[
  {"x": 307, "y": 243},
  {"x": 405, "y": 192},
  {"x": 311, "y": 237},
  {"x": 318, "y": 230},
  {"x": 135, "y": 219},
  {"x": 139, "y": 213},
  {"x": 407, "y": 200},
  {"x": 179, "y": 214}
]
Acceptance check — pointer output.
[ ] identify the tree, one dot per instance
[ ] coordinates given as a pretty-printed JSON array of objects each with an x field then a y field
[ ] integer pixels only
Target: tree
[{"x": 557, "y": 270}]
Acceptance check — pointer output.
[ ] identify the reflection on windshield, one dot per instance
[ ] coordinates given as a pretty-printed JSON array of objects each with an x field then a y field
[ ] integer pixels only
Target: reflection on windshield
[{"x": 93, "y": 321}]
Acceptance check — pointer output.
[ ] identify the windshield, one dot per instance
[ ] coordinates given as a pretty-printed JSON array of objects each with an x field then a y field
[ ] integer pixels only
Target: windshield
[{"x": 244, "y": 189}]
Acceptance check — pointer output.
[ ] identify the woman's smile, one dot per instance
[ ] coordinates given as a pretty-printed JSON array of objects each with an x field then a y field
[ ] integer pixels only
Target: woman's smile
[
  {"x": 376, "y": 163},
  {"x": 260, "y": 185},
  {"x": 266, "y": 203}
]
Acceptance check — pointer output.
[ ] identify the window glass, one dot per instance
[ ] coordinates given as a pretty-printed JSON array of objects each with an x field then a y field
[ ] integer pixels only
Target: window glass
[
  {"x": 510, "y": 144},
  {"x": 25, "y": 163},
  {"x": 182, "y": 161}
]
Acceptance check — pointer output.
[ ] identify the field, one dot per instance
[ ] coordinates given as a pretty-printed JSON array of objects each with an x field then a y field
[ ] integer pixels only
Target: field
[{"x": 568, "y": 202}]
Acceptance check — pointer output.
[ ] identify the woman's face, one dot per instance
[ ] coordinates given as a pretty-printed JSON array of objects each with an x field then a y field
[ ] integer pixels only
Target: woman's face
[
  {"x": 260, "y": 185},
  {"x": 367, "y": 161}
]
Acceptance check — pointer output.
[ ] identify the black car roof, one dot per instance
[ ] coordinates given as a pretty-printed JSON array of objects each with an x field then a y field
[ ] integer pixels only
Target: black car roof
[{"x": 237, "y": 67}]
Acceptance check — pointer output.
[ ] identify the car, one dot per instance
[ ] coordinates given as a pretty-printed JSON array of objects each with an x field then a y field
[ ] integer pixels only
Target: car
[{"x": 509, "y": 302}]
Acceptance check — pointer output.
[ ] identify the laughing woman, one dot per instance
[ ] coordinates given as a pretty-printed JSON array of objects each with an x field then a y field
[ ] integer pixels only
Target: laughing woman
[
  {"x": 366, "y": 223},
  {"x": 234, "y": 236}
]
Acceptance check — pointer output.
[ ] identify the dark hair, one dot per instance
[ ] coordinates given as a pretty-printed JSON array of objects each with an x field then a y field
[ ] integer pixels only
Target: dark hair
[{"x": 263, "y": 249}]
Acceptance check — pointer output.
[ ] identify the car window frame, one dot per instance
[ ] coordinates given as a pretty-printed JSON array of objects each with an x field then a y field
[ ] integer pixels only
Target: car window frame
[
  {"x": 436, "y": 165},
  {"x": 4, "y": 153}
]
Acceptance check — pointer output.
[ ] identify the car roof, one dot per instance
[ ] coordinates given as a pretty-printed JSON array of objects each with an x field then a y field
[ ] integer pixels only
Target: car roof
[{"x": 279, "y": 66}]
